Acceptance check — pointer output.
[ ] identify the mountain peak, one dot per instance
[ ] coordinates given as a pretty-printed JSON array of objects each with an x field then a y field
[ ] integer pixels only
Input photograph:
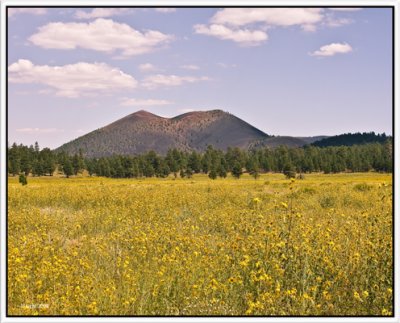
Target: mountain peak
[
  {"x": 143, "y": 131},
  {"x": 200, "y": 114},
  {"x": 144, "y": 114}
]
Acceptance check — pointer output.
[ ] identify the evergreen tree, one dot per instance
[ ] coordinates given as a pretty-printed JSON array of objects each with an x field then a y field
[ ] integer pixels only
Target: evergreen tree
[
  {"x": 289, "y": 171},
  {"x": 282, "y": 158},
  {"x": 78, "y": 164},
  {"x": 182, "y": 173},
  {"x": 48, "y": 162},
  {"x": 148, "y": 170},
  {"x": 234, "y": 156},
  {"x": 22, "y": 179},
  {"x": 91, "y": 166},
  {"x": 221, "y": 171},
  {"x": 212, "y": 174},
  {"x": 163, "y": 169},
  {"x": 206, "y": 163},
  {"x": 37, "y": 168},
  {"x": 173, "y": 160},
  {"x": 26, "y": 159},
  {"x": 14, "y": 160},
  {"x": 35, "y": 151},
  {"x": 116, "y": 168},
  {"x": 103, "y": 168},
  {"x": 253, "y": 166},
  {"x": 135, "y": 169},
  {"x": 67, "y": 167},
  {"x": 237, "y": 170},
  {"x": 194, "y": 162}
]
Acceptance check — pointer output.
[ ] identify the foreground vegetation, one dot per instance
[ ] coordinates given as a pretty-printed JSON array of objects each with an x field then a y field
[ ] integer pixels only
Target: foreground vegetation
[{"x": 272, "y": 246}]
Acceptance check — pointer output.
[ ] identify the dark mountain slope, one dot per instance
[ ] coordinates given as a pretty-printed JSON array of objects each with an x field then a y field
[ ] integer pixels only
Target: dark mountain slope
[
  {"x": 143, "y": 131},
  {"x": 275, "y": 141}
]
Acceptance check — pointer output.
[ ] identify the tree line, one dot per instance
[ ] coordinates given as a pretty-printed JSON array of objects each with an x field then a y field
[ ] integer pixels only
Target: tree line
[
  {"x": 33, "y": 161},
  {"x": 350, "y": 139}
]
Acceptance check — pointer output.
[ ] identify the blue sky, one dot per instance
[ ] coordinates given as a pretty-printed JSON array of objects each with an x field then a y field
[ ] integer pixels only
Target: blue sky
[{"x": 287, "y": 71}]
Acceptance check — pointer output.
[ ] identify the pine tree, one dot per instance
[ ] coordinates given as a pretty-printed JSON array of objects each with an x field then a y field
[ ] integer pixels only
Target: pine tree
[
  {"x": 212, "y": 174},
  {"x": 221, "y": 171},
  {"x": 14, "y": 160},
  {"x": 289, "y": 171},
  {"x": 22, "y": 179},
  {"x": 237, "y": 170},
  {"x": 67, "y": 167},
  {"x": 47, "y": 160}
]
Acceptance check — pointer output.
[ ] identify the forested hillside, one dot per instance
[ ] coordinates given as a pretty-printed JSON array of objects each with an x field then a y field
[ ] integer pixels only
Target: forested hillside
[{"x": 350, "y": 139}]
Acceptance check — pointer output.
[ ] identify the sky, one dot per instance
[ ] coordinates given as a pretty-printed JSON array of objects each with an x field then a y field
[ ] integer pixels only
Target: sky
[{"x": 287, "y": 71}]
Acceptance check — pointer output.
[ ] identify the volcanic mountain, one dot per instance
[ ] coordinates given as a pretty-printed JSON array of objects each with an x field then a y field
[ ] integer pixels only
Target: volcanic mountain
[{"x": 143, "y": 131}]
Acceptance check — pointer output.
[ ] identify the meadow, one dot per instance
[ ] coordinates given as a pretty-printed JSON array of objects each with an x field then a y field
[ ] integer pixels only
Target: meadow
[{"x": 271, "y": 246}]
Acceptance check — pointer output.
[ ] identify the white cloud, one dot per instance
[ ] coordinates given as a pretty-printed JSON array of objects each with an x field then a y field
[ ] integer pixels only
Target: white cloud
[
  {"x": 190, "y": 67},
  {"x": 337, "y": 22},
  {"x": 143, "y": 103},
  {"x": 102, "y": 35},
  {"x": 244, "y": 37},
  {"x": 39, "y": 130},
  {"x": 249, "y": 26},
  {"x": 345, "y": 9},
  {"x": 32, "y": 11},
  {"x": 155, "y": 81},
  {"x": 333, "y": 49},
  {"x": 165, "y": 10},
  {"x": 268, "y": 16},
  {"x": 147, "y": 67},
  {"x": 75, "y": 80},
  {"x": 101, "y": 13}
]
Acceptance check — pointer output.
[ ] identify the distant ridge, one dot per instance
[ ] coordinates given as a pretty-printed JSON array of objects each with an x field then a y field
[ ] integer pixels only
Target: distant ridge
[
  {"x": 143, "y": 131},
  {"x": 275, "y": 141},
  {"x": 349, "y": 139}
]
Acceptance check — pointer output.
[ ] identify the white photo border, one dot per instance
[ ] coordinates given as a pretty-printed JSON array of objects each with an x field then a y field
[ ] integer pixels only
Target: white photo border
[{"x": 192, "y": 3}]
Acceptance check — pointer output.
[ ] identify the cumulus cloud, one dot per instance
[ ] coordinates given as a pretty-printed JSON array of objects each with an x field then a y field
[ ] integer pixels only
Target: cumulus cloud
[
  {"x": 143, "y": 103},
  {"x": 147, "y": 67},
  {"x": 39, "y": 130},
  {"x": 268, "y": 16},
  {"x": 249, "y": 26},
  {"x": 102, "y": 35},
  {"x": 333, "y": 49},
  {"x": 160, "y": 80},
  {"x": 244, "y": 37},
  {"x": 165, "y": 10},
  {"x": 101, "y": 13},
  {"x": 190, "y": 67},
  {"x": 31, "y": 11},
  {"x": 75, "y": 80},
  {"x": 230, "y": 23}
]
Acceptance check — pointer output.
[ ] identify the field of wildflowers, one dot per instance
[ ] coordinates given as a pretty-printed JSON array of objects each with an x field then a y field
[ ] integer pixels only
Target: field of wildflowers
[{"x": 272, "y": 246}]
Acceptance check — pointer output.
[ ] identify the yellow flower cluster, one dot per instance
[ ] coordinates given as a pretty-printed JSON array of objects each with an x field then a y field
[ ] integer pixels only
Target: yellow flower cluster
[{"x": 95, "y": 246}]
